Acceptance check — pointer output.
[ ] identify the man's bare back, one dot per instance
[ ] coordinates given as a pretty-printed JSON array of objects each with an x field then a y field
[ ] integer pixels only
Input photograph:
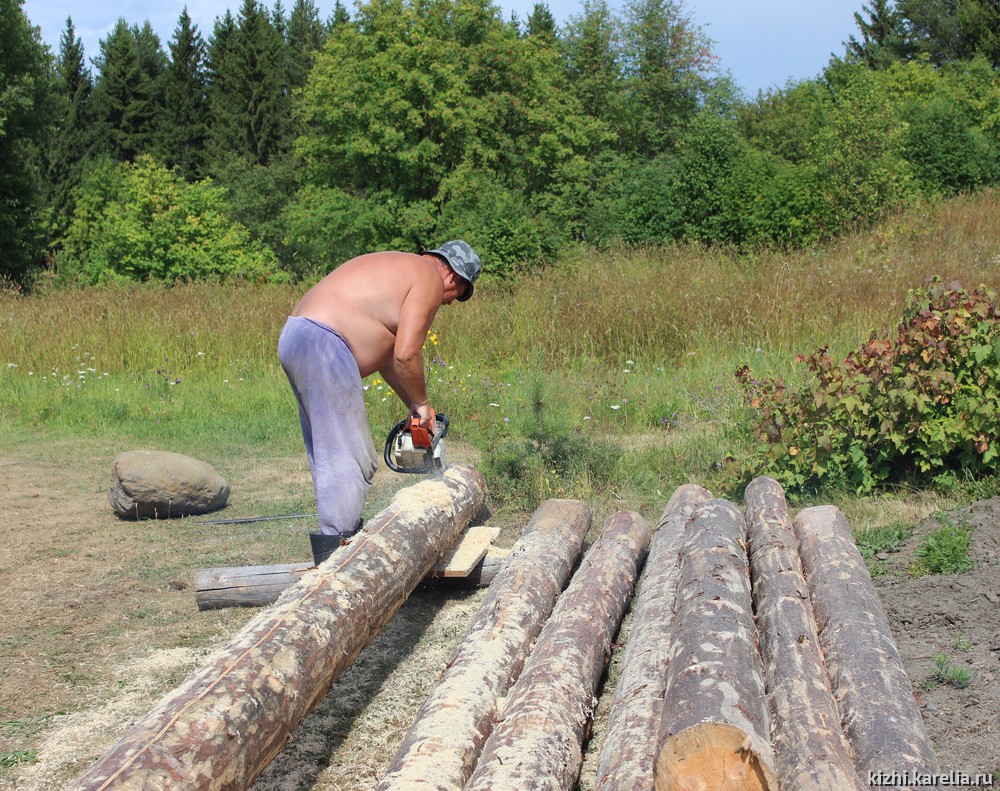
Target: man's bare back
[{"x": 383, "y": 305}]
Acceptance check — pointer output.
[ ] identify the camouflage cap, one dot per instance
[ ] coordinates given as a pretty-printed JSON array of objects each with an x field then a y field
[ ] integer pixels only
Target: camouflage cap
[{"x": 463, "y": 260}]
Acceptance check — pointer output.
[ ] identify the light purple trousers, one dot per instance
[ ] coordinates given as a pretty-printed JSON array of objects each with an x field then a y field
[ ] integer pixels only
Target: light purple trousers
[{"x": 327, "y": 384}]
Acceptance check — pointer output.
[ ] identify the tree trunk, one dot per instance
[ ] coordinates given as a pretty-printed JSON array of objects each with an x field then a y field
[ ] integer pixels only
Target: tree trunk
[
  {"x": 442, "y": 747},
  {"x": 880, "y": 717},
  {"x": 629, "y": 751},
  {"x": 245, "y": 586},
  {"x": 715, "y": 731},
  {"x": 226, "y": 722},
  {"x": 810, "y": 751},
  {"x": 257, "y": 586},
  {"x": 537, "y": 742}
]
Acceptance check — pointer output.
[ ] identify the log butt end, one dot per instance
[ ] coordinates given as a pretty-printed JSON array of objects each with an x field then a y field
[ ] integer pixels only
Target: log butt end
[{"x": 713, "y": 756}]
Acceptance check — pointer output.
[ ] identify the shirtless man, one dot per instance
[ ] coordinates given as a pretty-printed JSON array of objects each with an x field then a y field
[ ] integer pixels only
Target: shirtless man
[{"x": 370, "y": 314}]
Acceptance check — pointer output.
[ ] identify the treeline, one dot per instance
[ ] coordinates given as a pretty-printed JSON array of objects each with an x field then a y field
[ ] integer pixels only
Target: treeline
[{"x": 283, "y": 143}]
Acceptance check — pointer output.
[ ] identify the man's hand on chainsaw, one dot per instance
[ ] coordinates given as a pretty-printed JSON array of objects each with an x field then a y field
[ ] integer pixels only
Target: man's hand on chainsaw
[{"x": 425, "y": 414}]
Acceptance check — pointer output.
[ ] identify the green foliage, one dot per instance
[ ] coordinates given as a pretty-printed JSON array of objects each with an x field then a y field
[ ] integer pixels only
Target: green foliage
[
  {"x": 15, "y": 757},
  {"x": 873, "y": 541},
  {"x": 546, "y": 454},
  {"x": 125, "y": 100},
  {"x": 183, "y": 123},
  {"x": 944, "y": 551},
  {"x": 944, "y": 672},
  {"x": 922, "y": 402},
  {"x": 24, "y": 117},
  {"x": 141, "y": 221}
]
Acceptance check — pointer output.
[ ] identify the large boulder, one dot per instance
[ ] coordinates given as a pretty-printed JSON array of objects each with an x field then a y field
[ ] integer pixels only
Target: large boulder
[{"x": 150, "y": 484}]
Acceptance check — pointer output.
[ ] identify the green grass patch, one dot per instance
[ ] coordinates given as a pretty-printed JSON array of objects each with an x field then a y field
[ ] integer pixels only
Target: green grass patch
[
  {"x": 945, "y": 672},
  {"x": 879, "y": 540},
  {"x": 610, "y": 376},
  {"x": 944, "y": 551}
]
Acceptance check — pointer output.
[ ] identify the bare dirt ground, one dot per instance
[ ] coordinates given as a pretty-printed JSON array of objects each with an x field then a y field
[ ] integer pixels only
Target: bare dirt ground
[{"x": 99, "y": 620}]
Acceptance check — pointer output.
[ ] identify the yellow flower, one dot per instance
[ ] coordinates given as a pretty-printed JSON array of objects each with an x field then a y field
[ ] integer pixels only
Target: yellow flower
[{"x": 793, "y": 451}]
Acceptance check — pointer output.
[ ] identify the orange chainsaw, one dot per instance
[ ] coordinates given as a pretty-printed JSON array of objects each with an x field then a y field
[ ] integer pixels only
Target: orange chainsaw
[{"x": 413, "y": 449}]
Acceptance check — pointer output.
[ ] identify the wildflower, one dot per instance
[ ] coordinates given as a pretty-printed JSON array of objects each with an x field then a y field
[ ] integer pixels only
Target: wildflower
[
  {"x": 630, "y": 362},
  {"x": 793, "y": 451},
  {"x": 12, "y": 365},
  {"x": 494, "y": 404},
  {"x": 616, "y": 406},
  {"x": 586, "y": 417}
]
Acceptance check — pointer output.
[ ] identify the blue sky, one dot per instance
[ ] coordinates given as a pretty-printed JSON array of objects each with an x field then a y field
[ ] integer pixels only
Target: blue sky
[{"x": 762, "y": 43}]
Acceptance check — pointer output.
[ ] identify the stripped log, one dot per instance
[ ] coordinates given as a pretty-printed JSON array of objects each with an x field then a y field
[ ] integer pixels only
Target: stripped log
[
  {"x": 257, "y": 586},
  {"x": 879, "y": 714},
  {"x": 714, "y": 732},
  {"x": 231, "y": 717},
  {"x": 810, "y": 751},
  {"x": 629, "y": 751},
  {"x": 245, "y": 586},
  {"x": 441, "y": 749},
  {"x": 537, "y": 743}
]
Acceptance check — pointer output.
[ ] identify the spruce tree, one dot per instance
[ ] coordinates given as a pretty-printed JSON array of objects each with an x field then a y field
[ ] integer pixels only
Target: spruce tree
[
  {"x": 541, "y": 22},
  {"x": 25, "y": 111},
  {"x": 668, "y": 66},
  {"x": 306, "y": 35},
  {"x": 72, "y": 139},
  {"x": 592, "y": 50},
  {"x": 340, "y": 16},
  {"x": 249, "y": 95},
  {"x": 183, "y": 120},
  {"x": 882, "y": 35},
  {"x": 125, "y": 93}
]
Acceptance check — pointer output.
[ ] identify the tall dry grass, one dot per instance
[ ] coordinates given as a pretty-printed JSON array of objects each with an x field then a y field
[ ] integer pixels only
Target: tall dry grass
[{"x": 604, "y": 343}]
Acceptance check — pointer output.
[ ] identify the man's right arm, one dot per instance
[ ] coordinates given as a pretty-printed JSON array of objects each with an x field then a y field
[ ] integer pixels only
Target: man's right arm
[{"x": 406, "y": 368}]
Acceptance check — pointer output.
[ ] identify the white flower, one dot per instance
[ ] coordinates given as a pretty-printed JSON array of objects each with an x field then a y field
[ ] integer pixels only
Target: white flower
[
  {"x": 616, "y": 406},
  {"x": 494, "y": 404},
  {"x": 630, "y": 362}
]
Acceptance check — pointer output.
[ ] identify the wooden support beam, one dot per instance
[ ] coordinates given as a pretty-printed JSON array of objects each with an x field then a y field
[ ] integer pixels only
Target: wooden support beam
[
  {"x": 230, "y": 718},
  {"x": 629, "y": 751},
  {"x": 537, "y": 742},
  {"x": 714, "y": 732},
  {"x": 442, "y": 747},
  {"x": 879, "y": 714},
  {"x": 810, "y": 751},
  {"x": 257, "y": 586}
]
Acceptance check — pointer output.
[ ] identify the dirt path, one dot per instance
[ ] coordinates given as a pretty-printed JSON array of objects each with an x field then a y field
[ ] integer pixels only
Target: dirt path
[{"x": 99, "y": 621}]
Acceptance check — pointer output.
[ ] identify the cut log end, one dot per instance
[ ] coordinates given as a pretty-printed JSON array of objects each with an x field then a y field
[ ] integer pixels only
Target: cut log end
[{"x": 711, "y": 756}]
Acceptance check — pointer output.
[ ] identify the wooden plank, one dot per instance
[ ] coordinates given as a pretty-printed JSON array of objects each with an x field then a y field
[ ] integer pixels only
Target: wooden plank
[
  {"x": 228, "y": 720},
  {"x": 471, "y": 547}
]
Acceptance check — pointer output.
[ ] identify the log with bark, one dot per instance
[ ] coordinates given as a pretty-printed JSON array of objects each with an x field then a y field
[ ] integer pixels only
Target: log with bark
[
  {"x": 629, "y": 751},
  {"x": 715, "y": 731},
  {"x": 228, "y": 720},
  {"x": 537, "y": 742},
  {"x": 258, "y": 586},
  {"x": 879, "y": 714},
  {"x": 810, "y": 751},
  {"x": 442, "y": 747}
]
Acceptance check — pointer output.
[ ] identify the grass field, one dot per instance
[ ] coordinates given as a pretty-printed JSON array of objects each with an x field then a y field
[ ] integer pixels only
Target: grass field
[{"x": 608, "y": 376}]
